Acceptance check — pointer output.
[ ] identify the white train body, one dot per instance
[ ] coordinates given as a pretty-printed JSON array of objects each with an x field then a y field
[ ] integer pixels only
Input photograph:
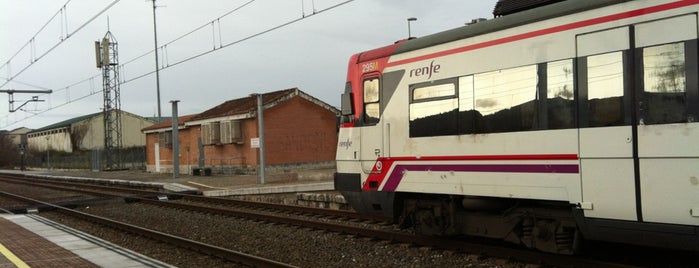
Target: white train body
[{"x": 587, "y": 107}]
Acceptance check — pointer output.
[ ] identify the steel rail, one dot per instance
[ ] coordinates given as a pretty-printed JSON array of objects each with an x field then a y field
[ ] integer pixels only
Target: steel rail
[
  {"x": 205, "y": 199},
  {"x": 298, "y": 209},
  {"x": 446, "y": 243},
  {"x": 398, "y": 237},
  {"x": 230, "y": 255}
]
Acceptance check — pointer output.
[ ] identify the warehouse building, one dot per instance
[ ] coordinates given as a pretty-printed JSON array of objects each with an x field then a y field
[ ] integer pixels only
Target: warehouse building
[{"x": 86, "y": 133}]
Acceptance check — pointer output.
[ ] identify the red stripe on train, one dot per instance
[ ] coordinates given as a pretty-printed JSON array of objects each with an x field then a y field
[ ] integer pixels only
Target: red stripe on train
[{"x": 556, "y": 29}]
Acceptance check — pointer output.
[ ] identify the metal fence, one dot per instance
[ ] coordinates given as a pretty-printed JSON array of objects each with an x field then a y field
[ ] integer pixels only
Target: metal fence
[{"x": 132, "y": 158}]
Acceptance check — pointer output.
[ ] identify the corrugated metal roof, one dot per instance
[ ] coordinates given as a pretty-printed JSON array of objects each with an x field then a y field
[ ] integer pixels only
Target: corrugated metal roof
[
  {"x": 67, "y": 123},
  {"x": 506, "y": 7}
]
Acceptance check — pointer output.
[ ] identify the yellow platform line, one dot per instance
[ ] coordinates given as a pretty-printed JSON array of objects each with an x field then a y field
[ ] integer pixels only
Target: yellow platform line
[
  {"x": 207, "y": 186},
  {"x": 12, "y": 257}
]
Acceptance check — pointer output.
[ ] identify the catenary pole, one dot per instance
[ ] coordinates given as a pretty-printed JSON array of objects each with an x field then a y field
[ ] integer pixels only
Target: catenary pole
[{"x": 157, "y": 69}]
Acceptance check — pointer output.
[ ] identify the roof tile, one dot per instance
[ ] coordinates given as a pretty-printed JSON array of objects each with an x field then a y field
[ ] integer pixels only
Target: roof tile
[{"x": 242, "y": 105}]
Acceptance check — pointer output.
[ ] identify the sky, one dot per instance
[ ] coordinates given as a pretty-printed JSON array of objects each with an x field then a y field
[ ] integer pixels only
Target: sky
[{"x": 49, "y": 45}]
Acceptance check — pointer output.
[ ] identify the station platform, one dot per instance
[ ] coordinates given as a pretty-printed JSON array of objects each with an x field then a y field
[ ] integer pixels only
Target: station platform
[
  {"x": 309, "y": 181},
  {"x": 34, "y": 241}
]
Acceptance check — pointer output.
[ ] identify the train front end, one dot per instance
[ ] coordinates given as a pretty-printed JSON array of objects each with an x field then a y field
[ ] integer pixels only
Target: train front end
[{"x": 360, "y": 135}]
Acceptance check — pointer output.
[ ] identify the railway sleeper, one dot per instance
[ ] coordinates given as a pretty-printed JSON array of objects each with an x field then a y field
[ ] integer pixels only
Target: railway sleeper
[
  {"x": 545, "y": 226},
  {"x": 72, "y": 204},
  {"x": 160, "y": 197}
]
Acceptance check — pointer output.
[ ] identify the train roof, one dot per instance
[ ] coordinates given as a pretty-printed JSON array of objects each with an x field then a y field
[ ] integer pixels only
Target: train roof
[
  {"x": 507, "y": 7},
  {"x": 505, "y": 22},
  {"x": 379, "y": 52}
]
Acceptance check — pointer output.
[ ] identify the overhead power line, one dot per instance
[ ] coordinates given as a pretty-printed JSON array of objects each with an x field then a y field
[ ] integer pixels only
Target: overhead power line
[
  {"x": 164, "y": 47},
  {"x": 31, "y": 40},
  {"x": 187, "y": 59},
  {"x": 64, "y": 36}
]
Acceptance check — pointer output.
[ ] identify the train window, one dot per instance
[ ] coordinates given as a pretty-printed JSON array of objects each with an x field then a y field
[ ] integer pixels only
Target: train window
[
  {"x": 432, "y": 92},
  {"x": 559, "y": 94},
  {"x": 605, "y": 85},
  {"x": 434, "y": 109},
  {"x": 664, "y": 84},
  {"x": 506, "y": 100},
  {"x": 371, "y": 101},
  {"x": 467, "y": 114}
]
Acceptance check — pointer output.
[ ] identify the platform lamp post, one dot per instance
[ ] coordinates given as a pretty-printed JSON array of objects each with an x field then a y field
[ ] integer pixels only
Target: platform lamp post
[{"x": 409, "y": 20}]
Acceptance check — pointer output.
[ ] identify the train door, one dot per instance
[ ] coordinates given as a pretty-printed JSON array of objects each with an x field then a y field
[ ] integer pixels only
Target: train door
[
  {"x": 638, "y": 102},
  {"x": 371, "y": 137},
  {"x": 605, "y": 111},
  {"x": 668, "y": 135}
]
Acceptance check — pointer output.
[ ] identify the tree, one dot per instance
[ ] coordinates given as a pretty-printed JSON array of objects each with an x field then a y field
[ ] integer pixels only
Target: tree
[
  {"x": 77, "y": 134},
  {"x": 9, "y": 153}
]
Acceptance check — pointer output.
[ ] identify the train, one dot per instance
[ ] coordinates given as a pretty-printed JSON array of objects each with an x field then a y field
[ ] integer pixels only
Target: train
[{"x": 568, "y": 122}]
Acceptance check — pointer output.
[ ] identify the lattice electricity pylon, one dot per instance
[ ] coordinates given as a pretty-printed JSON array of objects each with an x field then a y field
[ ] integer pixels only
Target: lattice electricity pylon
[{"x": 107, "y": 59}]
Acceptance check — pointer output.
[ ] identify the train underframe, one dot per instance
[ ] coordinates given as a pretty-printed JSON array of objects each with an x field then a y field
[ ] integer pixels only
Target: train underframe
[
  {"x": 546, "y": 226},
  {"x": 542, "y": 225},
  {"x": 555, "y": 227}
]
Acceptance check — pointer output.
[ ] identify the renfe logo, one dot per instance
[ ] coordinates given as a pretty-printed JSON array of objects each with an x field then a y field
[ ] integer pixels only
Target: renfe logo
[
  {"x": 345, "y": 144},
  {"x": 432, "y": 69}
]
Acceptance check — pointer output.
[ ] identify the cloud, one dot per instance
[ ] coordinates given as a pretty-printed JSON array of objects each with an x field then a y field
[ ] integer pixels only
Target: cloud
[{"x": 311, "y": 54}]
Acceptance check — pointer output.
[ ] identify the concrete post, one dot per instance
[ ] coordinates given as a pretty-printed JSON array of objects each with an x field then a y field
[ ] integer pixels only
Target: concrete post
[
  {"x": 175, "y": 141},
  {"x": 200, "y": 146},
  {"x": 261, "y": 128}
]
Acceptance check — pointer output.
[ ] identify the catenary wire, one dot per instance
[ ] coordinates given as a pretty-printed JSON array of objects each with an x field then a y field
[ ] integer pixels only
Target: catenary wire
[
  {"x": 303, "y": 17},
  {"x": 68, "y": 35}
]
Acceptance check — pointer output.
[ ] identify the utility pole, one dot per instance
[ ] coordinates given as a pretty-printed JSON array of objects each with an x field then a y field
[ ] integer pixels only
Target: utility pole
[{"x": 157, "y": 68}]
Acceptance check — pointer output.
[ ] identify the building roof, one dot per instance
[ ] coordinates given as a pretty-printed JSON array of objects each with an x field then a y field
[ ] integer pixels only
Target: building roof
[
  {"x": 242, "y": 105},
  {"x": 248, "y": 105},
  {"x": 167, "y": 124},
  {"x": 158, "y": 119},
  {"x": 20, "y": 130},
  {"x": 69, "y": 122}
]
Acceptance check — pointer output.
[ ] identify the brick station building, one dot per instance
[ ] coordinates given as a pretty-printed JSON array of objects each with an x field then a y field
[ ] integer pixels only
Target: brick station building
[{"x": 300, "y": 131}]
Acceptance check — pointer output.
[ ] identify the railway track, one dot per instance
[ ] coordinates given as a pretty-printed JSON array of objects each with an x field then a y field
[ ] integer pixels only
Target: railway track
[
  {"x": 226, "y": 254},
  {"x": 131, "y": 194},
  {"x": 345, "y": 223}
]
